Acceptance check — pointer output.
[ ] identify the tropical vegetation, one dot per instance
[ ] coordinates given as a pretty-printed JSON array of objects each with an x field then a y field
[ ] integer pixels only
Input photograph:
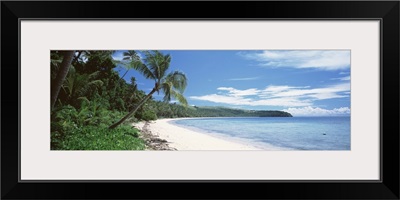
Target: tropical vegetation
[{"x": 93, "y": 107}]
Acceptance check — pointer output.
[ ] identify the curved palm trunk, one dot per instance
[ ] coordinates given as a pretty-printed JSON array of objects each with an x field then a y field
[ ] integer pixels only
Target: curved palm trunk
[
  {"x": 134, "y": 109},
  {"x": 124, "y": 74},
  {"x": 64, "y": 68}
]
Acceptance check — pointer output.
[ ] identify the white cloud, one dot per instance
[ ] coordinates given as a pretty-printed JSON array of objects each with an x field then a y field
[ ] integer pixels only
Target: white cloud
[
  {"x": 329, "y": 92},
  {"x": 279, "y": 88},
  {"x": 244, "y": 79},
  {"x": 118, "y": 55},
  {"x": 316, "y": 111},
  {"x": 216, "y": 98},
  {"x": 286, "y": 96},
  {"x": 324, "y": 59},
  {"x": 239, "y": 100},
  {"x": 346, "y": 78},
  {"x": 235, "y": 92}
]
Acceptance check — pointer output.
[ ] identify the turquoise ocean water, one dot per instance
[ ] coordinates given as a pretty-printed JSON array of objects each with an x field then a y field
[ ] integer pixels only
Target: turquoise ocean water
[{"x": 291, "y": 133}]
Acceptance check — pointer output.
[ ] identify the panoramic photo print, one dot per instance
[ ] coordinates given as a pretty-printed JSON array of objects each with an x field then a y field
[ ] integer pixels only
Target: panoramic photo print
[{"x": 153, "y": 100}]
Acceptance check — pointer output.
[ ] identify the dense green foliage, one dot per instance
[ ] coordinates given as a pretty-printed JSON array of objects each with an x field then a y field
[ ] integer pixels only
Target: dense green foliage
[
  {"x": 97, "y": 138},
  {"x": 86, "y": 129},
  {"x": 229, "y": 112},
  {"x": 176, "y": 111},
  {"x": 92, "y": 97}
]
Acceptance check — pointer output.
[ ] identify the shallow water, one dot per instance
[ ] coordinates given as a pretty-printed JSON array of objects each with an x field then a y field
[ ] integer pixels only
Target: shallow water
[{"x": 297, "y": 133}]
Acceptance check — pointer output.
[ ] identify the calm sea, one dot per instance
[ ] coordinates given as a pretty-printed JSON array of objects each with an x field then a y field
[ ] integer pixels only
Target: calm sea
[{"x": 295, "y": 133}]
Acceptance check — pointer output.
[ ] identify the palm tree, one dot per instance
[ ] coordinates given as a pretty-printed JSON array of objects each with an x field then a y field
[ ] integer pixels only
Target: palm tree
[
  {"x": 133, "y": 59},
  {"x": 172, "y": 84},
  {"x": 62, "y": 73},
  {"x": 76, "y": 85}
]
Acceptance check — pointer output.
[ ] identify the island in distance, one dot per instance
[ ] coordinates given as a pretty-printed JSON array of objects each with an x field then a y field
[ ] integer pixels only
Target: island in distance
[{"x": 209, "y": 111}]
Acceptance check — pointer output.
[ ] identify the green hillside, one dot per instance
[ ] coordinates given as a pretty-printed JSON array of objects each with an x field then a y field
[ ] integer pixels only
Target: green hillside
[{"x": 175, "y": 110}]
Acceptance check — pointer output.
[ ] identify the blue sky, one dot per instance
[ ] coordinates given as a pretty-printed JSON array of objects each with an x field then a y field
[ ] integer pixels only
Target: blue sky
[{"x": 303, "y": 82}]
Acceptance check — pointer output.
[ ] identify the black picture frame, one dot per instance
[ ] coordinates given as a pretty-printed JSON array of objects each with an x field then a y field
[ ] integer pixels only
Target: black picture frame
[{"x": 386, "y": 11}]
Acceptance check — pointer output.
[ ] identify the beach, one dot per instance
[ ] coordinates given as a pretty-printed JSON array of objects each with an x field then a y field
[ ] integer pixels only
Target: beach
[{"x": 180, "y": 138}]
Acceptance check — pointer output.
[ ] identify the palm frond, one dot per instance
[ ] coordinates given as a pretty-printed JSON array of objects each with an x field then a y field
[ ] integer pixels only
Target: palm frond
[
  {"x": 68, "y": 85},
  {"x": 130, "y": 55},
  {"x": 69, "y": 82},
  {"x": 166, "y": 88},
  {"x": 84, "y": 99},
  {"x": 126, "y": 55},
  {"x": 93, "y": 75},
  {"x": 119, "y": 62},
  {"x": 72, "y": 70},
  {"x": 151, "y": 63},
  {"x": 164, "y": 66},
  {"x": 157, "y": 63},
  {"x": 97, "y": 83},
  {"x": 179, "y": 97},
  {"x": 178, "y": 80},
  {"x": 143, "y": 69},
  {"x": 76, "y": 85},
  {"x": 55, "y": 59},
  {"x": 170, "y": 92},
  {"x": 55, "y": 62}
]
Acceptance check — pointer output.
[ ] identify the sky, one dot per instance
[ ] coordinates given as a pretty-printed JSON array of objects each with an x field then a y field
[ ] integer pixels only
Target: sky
[{"x": 301, "y": 82}]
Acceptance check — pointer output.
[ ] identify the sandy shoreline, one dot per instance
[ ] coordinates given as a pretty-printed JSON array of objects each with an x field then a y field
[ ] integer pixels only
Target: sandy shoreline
[{"x": 186, "y": 139}]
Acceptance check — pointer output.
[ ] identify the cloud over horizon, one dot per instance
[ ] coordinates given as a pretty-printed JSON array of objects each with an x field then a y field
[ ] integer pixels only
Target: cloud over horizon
[
  {"x": 276, "y": 95},
  {"x": 322, "y": 59},
  {"x": 244, "y": 79},
  {"x": 316, "y": 111}
]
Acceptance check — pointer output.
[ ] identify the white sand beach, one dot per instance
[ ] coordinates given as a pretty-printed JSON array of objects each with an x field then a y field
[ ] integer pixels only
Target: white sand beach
[{"x": 187, "y": 139}]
